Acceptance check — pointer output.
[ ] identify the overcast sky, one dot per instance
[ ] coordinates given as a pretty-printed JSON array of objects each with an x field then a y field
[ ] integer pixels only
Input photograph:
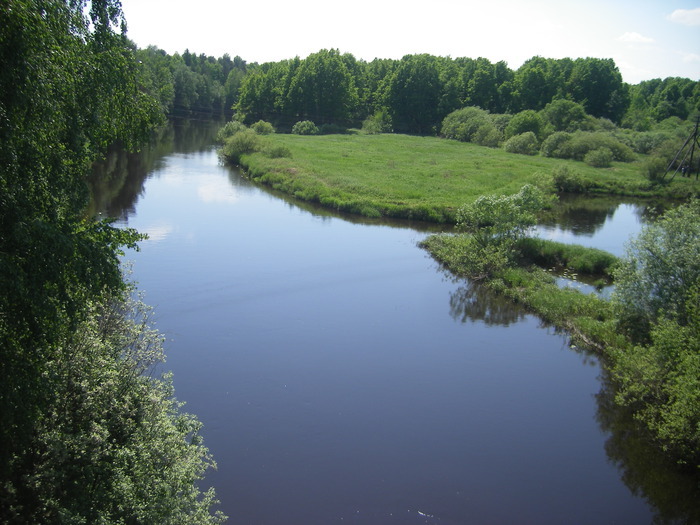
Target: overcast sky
[{"x": 646, "y": 38}]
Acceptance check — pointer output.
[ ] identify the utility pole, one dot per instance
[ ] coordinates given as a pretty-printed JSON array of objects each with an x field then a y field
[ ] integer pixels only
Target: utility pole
[{"x": 686, "y": 168}]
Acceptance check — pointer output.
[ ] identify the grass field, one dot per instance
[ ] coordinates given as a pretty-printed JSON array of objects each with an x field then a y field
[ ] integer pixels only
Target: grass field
[{"x": 424, "y": 178}]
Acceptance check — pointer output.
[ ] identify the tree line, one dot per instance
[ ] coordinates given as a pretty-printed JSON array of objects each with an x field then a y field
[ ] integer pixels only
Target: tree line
[{"x": 416, "y": 92}]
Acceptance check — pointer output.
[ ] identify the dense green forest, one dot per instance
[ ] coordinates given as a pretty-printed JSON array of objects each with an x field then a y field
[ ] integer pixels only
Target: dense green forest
[{"x": 416, "y": 92}]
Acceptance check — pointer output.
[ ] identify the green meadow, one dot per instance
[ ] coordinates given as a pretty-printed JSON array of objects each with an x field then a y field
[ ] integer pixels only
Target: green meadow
[{"x": 425, "y": 178}]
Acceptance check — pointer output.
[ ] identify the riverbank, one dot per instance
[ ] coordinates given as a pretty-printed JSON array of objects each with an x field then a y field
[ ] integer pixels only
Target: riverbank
[
  {"x": 426, "y": 178},
  {"x": 532, "y": 283}
]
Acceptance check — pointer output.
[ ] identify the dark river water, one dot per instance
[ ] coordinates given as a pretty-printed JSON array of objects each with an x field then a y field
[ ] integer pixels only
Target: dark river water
[{"x": 342, "y": 376}]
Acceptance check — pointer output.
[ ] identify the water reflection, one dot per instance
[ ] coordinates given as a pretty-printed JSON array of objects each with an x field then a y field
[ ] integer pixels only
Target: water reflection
[
  {"x": 474, "y": 302},
  {"x": 673, "y": 493},
  {"x": 116, "y": 182}
]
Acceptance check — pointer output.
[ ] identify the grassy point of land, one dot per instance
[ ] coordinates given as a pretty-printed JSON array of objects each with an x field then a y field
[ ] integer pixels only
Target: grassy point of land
[{"x": 424, "y": 178}]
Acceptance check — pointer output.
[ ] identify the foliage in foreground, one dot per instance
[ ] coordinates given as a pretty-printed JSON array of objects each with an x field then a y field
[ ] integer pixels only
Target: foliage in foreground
[
  {"x": 86, "y": 436},
  {"x": 112, "y": 444},
  {"x": 660, "y": 267},
  {"x": 658, "y": 303}
]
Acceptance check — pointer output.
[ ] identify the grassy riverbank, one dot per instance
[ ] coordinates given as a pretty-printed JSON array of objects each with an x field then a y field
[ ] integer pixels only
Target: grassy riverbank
[
  {"x": 425, "y": 178},
  {"x": 588, "y": 318}
]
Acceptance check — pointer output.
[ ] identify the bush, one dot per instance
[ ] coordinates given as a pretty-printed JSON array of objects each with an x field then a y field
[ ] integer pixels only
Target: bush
[
  {"x": 659, "y": 267},
  {"x": 263, "y": 128},
  {"x": 228, "y": 130},
  {"x": 655, "y": 169},
  {"x": 564, "y": 115},
  {"x": 471, "y": 124},
  {"x": 501, "y": 121},
  {"x": 599, "y": 158},
  {"x": 566, "y": 180},
  {"x": 645, "y": 142},
  {"x": 277, "y": 151},
  {"x": 305, "y": 127},
  {"x": 582, "y": 142},
  {"x": 525, "y": 121},
  {"x": 380, "y": 122},
  {"x": 243, "y": 142},
  {"x": 524, "y": 144},
  {"x": 553, "y": 144}
]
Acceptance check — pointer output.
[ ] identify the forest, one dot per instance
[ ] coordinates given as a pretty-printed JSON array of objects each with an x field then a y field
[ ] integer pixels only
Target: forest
[
  {"x": 416, "y": 92},
  {"x": 91, "y": 434}
]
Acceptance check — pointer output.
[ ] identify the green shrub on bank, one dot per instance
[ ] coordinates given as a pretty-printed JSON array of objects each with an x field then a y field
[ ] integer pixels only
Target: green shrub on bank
[
  {"x": 380, "y": 122},
  {"x": 577, "y": 145},
  {"x": 305, "y": 127},
  {"x": 523, "y": 122},
  {"x": 569, "y": 181},
  {"x": 471, "y": 124},
  {"x": 599, "y": 158},
  {"x": 654, "y": 169},
  {"x": 262, "y": 127},
  {"x": 241, "y": 143},
  {"x": 523, "y": 144},
  {"x": 228, "y": 130}
]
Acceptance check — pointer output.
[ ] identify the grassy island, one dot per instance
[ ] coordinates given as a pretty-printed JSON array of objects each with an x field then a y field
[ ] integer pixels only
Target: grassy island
[{"x": 424, "y": 178}]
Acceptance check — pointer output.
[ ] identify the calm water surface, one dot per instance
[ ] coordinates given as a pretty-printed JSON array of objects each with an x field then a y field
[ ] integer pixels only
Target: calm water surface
[{"x": 341, "y": 376}]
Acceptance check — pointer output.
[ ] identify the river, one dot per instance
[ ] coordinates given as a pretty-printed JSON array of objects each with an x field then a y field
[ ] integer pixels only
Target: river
[{"x": 342, "y": 376}]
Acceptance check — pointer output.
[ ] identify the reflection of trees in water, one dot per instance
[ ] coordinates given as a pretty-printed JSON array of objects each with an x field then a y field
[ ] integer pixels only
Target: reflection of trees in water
[
  {"x": 673, "y": 493},
  {"x": 585, "y": 215},
  {"x": 117, "y": 181},
  {"x": 475, "y": 302}
]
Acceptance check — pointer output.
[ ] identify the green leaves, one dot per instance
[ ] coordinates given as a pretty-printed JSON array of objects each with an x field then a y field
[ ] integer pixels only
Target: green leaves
[{"x": 660, "y": 266}]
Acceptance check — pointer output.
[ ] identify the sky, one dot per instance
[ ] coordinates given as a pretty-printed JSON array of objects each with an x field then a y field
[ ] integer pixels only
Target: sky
[{"x": 646, "y": 38}]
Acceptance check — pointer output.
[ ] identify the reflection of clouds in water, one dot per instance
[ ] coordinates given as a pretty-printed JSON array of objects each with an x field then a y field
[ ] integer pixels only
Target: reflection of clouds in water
[
  {"x": 553, "y": 234},
  {"x": 157, "y": 232},
  {"x": 216, "y": 190}
]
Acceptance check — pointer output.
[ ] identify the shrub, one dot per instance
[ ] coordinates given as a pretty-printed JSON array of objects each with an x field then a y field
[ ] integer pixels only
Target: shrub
[
  {"x": 263, "y": 128},
  {"x": 553, "y": 144},
  {"x": 471, "y": 124},
  {"x": 523, "y": 122},
  {"x": 566, "y": 180},
  {"x": 655, "y": 169},
  {"x": 501, "y": 121},
  {"x": 380, "y": 122},
  {"x": 228, "y": 130},
  {"x": 645, "y": 142},
  {"x": 245, "y": 141},
  {"x": 524, "y": 144},
  {"x": 277, "y": 151},
  {"x": 582, "y": 142},
  {"x": 564, "y": 115},
  {"x": 487, "y": 135},
  {"x": 305, "y": 127},
  {"x": 599, "y": 158}
]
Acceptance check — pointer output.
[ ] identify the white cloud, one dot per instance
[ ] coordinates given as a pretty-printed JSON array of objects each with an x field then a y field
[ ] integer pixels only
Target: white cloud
[
  {"x": 688, "y": 17},
  {"x": 635, "y": 38}
]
